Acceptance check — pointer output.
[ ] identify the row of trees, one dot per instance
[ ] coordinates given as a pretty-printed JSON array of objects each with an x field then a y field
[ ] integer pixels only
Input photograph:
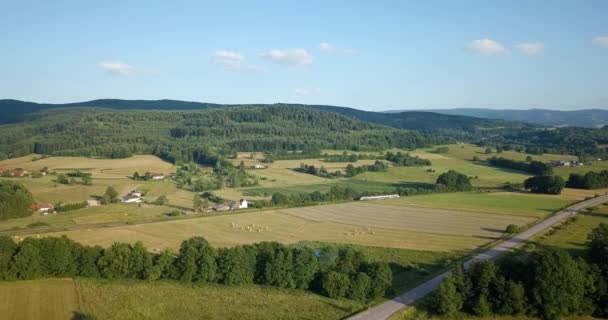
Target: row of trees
[
  {"x": 15, "y": 200},
  {"x": 532, "y": 167},
  {"x": 336, "y": 273},
  {"x": 545, "y": 184},
  {"x": 591, "y": 180},
  {"x": 548, "y": 283},
  {"x": 353, "y": 157},
  {"x": 406, "y": 160}
]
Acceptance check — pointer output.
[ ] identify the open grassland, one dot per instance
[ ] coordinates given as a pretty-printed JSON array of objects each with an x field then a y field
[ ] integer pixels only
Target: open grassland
[
  {"x": 167, "y": 300},
  {"x": 45, "y": 189},
  {"x": 54, "y": 299},
  {"x": 102, "y": 214},
  {"x": 509, "y": 203},
  {"x": 572, "y": 235},
  {"x": 468, "y": 151},
  {"x": 358, "y": 185}
]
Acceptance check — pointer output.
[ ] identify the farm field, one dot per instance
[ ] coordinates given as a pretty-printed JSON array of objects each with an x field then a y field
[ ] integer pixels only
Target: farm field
[
  {"x": 392, "y": 224},
  {"x": 108, "y": 213},
  {"x": 100, "y": 168},
  {"x": 53, "y": 299},
  {"x": 509, "y": 203}
]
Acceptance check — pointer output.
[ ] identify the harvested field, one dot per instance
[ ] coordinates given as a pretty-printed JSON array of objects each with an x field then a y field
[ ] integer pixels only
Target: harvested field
[
  {"x": 54, "y": 299},
  {"x": 426, "y": 220}
]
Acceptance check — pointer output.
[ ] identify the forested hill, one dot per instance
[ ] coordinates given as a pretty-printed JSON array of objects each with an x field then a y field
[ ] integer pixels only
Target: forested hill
[
  {"x": 196, "y": 135},
  {"x": 591, "y": 118},
  {"x": 448, "y": 125}
]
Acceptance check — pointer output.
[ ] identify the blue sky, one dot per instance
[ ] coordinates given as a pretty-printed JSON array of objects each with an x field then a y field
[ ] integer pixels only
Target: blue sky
[{"x": 373, "y": 55}]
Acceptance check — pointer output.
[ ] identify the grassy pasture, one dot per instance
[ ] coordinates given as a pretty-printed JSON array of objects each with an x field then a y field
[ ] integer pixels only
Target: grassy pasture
[
  {"x": 572, "y": 236},
  {"x": 100, "y": 168},
  {"x": 509, "y": 203},
  {"x": 53, "y": 299},
  {"x": 168, "y": 300},
  {"x": 108, "y": 213}
]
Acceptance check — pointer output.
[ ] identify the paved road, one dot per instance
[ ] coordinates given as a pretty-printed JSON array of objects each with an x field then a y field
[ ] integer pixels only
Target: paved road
[{"x": 386, "y": 309}]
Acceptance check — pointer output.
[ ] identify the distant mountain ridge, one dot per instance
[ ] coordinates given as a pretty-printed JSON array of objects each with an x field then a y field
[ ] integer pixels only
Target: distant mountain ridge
[{"x": 589, "y": 118}]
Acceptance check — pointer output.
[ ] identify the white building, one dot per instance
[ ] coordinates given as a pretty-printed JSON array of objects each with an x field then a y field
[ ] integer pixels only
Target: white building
[
  {"x": 131, "y": 199},
  {"x": 388, "y": 196},
  {"x": 243, "y": 204}
]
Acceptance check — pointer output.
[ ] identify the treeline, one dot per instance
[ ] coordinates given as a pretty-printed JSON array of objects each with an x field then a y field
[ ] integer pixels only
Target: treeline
[
  {"x": 15, "y": 200},
  {"x": 548, "y": 283},
  {"x": 591, "y": 180},
  {"x": 406, "y": 160},
  {"x": 545, "y": 184},
  {"x": 450, "y": 181},
  {"x": 350, "y": 170},
  {"x": 353, "y": 157},
  {"x": 532, "y": 167},
  {"x": 63, "y": 207},
  {"x": 336, "y": 273},
  {"x": 197, "y": 136}
]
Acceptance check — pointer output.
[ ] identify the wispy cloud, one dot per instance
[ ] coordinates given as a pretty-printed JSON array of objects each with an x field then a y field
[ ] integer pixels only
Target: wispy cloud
[
  {"x": 531, "y": 48},
  {"x": 123, "y": 69},
  {"x": 302, "y": 92},
  {"x": 328, "y": 47},
  {"x": 289, "y": 57},
  {"x": 234, "y": 61},
  {"x": 486, "y": 47},
  {"x": 601, "y": 41}
]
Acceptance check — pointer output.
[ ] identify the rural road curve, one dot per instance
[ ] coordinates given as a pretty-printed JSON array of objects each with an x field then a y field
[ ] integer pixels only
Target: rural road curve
[{"x": 386, "y": 309}]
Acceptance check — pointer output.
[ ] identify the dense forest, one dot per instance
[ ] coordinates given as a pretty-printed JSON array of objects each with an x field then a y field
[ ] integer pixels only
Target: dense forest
[
  {"x": 336, "y": 273},
  {"x": 197, "y": 136},
  {"x": 548, "y": 283}
]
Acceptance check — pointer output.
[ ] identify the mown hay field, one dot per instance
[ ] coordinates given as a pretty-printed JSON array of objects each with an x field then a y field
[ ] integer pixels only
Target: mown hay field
[
  {"x": 463, "y": 226},
  {"x": 53, "y": 299}
]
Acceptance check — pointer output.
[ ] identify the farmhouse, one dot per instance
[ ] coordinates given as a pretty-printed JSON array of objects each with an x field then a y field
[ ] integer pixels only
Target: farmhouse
[
  {"x": 93, "y": 203},
  {"x": 19, "y": 173},
  {"x": 43, "y": 207},
  {"x": 387, "y": 196},
  {"x": 242, "y": 204},
  {"x": 157, "y": 176},
  {"x": 131, "y": 199},
  {"x": 136, "y": 193},
  {"x": 259, "y": 166}
]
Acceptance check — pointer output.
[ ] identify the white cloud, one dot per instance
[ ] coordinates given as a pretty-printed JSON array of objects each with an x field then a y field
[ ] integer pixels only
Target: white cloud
[
  {"x": 123, "y": 69},
  {"x": 234, "y": 61},
  {"x": 328, "y": 47},
  {"x": 601, "y": 41},
  {"x": 290, "y": 57},
  {"x": 117, "y": 68},
  {"x": 531, "y": 48},
  {"x": 302, "y": 92},
  {"x": 486, "y": 47}
]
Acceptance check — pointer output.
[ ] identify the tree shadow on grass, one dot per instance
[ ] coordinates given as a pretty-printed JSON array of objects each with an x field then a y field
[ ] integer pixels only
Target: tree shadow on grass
[{"x": 79, "y": 315}]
